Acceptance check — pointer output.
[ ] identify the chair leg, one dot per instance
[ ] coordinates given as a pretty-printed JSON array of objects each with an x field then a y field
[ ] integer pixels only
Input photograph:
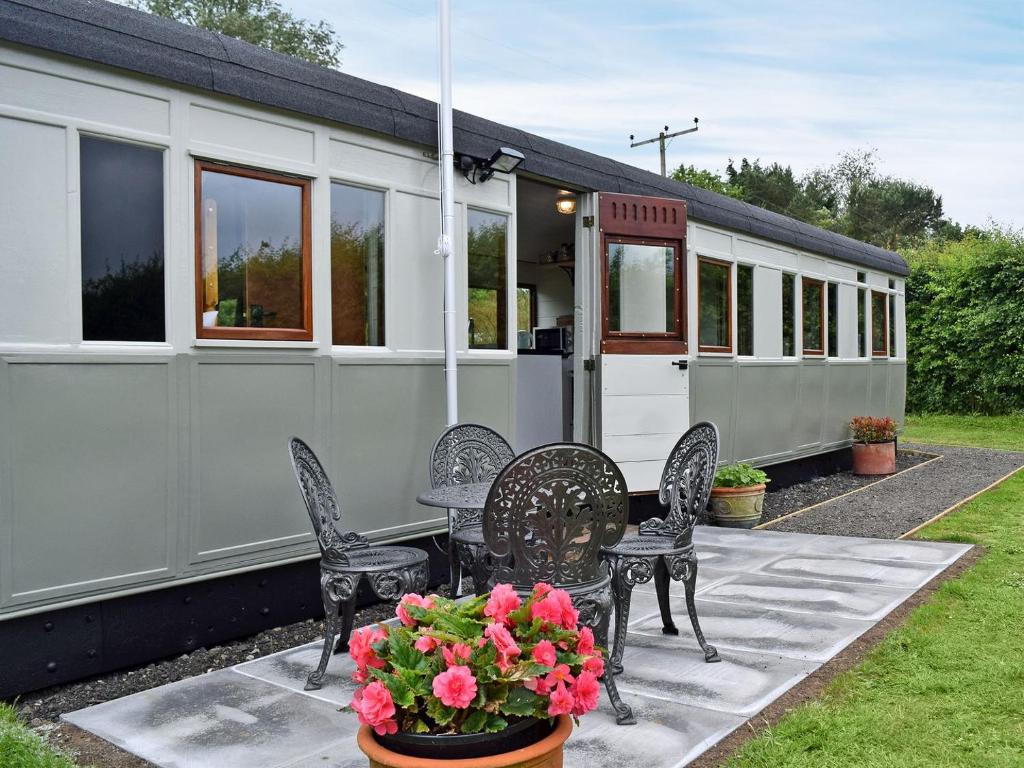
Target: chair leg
[
  {"x": 622, "y": 592},
  {"x": 661, "y": 584},
  {"x": 331, "y": 600},
  {"x": 348, "y": 612},
  {"x": 690, "y": 583},
  {"x": 481, "y": 570},
  {"x": 454, "y": 568},
  {"x": 623, "y": 712}
]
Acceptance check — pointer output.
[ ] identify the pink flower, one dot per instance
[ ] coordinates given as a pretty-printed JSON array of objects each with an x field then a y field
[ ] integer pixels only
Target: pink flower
[
  {"x": 455, "y": 687},
  {"x": 505, "y": 643},
  {"x": 556, "y": 608},
  {"x": 375, "y": 708},
  {"x": 540, "y": 589},
  {"x": 425, "y": 644},
  {"x": 411, "y": 599},
  {"x": 502, "y": 602},
  {"x": 594, "y": 665},
  {"x": 544, "y": 653},
  {"x": 585, "y": 644},
  {"x": 560, "y": 674},
  {"x": 561, "y": 701},
  {"x": 538, "y": 685},
  {"x": 360, "y": 646},
  {"x": 585, "y": 692},
  {"x": 457, "y": 653}
]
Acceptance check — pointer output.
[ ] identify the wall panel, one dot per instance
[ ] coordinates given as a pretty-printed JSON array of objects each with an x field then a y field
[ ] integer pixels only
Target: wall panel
[
  {"x": 712, "y": 389},
  {"x": 765, "y": 410},
  {"x": 811, "y": 407}
]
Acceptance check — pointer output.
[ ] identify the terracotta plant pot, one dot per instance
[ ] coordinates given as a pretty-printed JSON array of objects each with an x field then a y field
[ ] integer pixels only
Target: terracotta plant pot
[
  {"x": 874, "y": 458},
  {"x": 737, "y": 507},
  {"x": 546, "y": 753}
]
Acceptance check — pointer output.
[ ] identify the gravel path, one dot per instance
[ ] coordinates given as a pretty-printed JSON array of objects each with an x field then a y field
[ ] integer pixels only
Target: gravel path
[
  {"x": 818, "y": 489},
  {"x": 894, "y": 506}
]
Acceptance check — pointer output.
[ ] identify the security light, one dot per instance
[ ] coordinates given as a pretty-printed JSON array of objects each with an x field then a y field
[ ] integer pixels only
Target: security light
[{"x": 504, "y": 159}]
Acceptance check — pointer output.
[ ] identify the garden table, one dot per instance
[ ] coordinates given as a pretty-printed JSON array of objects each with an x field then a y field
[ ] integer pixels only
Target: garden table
[{"x": 465, "y": 496}]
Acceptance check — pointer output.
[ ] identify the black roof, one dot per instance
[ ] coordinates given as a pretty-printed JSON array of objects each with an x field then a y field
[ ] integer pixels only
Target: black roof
[{"x": 110, "y": 34}]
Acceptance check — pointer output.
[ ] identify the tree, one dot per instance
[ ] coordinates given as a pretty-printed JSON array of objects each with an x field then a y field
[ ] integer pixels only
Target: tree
[
  {"x": 699, "y": 177},
  {"x": 261, "y": 22}
]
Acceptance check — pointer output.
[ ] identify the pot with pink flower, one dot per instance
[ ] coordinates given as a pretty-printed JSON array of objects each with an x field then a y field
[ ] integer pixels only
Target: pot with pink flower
[{"x": 490, "y": 682}]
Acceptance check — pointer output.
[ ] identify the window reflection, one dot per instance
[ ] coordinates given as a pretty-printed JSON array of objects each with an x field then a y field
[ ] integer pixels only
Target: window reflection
[
  {"x": 641, "y": 288},
  {"x": 745, "y": 310},
  {"x": 122, "y": 189},
  {"x": 788, "y": 314},
  {"x": 879, "y": 324},
  {"x": 813, "y": 321},
  {"x": 357, "y": 265},
  {"x": 714, "y": 310},
  {"x": 488, "y": 306}
]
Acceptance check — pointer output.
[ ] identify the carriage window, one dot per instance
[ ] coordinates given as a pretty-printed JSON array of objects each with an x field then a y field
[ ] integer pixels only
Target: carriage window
[
  {"x": 814, "y": 316},
  {"x": 526, "y": 307},
  {"x": 714, "y": 306},
  {"x": 833, "y": 320},
  {"x": 892, "y": 325},
  {"x": 862, "y": 314},
  {"x": 122, "y": 190},
  {"x": 788, "y": 315},
  {"x": 252, "y": 255},
  {"x": 744, "y": 309},
  {"x": 487, "y": 255},
  {"x": 357, "y": 266},
  {"x": 879, "y": 325}
]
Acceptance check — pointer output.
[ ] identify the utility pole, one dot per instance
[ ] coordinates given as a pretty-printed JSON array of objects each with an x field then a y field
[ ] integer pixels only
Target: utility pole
[{"x": 660, "y": 138}]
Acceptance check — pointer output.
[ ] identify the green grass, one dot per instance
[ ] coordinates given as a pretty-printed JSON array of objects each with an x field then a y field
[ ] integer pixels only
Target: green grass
[
  {"x": 1006, "y": 432},
  {"x": 947, "y": 689},
  {"x": 21, "y": 748}
]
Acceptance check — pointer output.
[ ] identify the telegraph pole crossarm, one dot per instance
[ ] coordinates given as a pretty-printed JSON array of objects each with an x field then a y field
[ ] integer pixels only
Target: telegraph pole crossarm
[{"x": 660, "y": 138}]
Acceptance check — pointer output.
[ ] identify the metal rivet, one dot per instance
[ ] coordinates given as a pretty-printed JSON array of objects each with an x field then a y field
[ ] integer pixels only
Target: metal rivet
[
  {"x": 264, "y": 611},
  {"x": 188, "y": 599},
  {"x": 91, "y": 653},
  {"x": 263, "y": 582},
  {"x": 48, "y": 626},
  {"x": 51, "y": 667}
]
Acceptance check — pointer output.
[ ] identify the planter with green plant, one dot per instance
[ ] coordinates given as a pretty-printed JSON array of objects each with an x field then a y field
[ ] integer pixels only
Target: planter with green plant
[
  {"x": 737, "y": 497},
  {"x": 874, "y": 445}
]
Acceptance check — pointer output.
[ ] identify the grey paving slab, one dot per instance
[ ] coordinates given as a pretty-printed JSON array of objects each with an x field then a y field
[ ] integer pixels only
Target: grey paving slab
[
  {"x": 667, "y": 734},
  {"x": 742, "y": 683},
  {"x": 753, "y": 539},
  {"x": 728, "y": 626},
  {"x": 221, "y": 719},
  {"x": 727, "y": 557},
  {"x": 938, "y": 553},
  {"x": 343, "y": 755},
  {"x": 289, "y": 669},
  {"x": 706, "y": 577},
  {"x": 833, "y": 598},
  {"x": 891, "y": 573}
]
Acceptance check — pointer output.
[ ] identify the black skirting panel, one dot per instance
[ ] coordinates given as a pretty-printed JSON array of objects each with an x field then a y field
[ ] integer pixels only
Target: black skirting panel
[{"x": 70, "y": 644}]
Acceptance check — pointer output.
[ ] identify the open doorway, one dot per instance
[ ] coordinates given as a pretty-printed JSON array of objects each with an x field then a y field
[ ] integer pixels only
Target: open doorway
[{"x": 546, "y": 268}]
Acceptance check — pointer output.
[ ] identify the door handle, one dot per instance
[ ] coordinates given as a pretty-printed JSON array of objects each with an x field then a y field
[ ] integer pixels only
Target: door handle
[{"x": 682, "y": 365}]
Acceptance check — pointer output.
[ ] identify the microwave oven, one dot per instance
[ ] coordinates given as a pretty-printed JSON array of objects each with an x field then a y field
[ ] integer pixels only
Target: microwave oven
[{"x": 553, "y": 339}]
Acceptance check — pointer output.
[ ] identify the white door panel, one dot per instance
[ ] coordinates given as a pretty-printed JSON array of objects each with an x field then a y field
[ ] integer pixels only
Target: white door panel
[
  {"x": 642, "y": 476},
  {"x": 650, "y": 447},
  {"x": 643, "y": 414},
  {"x": 643, "y": 375}
]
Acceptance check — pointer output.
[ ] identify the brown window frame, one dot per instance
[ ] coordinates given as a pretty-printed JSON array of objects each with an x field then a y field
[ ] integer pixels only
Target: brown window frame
[
  {"x": 255, "y": 334},
  {"x": 820, "y": 351},
  {"x": 728, "y": 308},
  {"x": 672, "y": 343},
  {"x": 871, "y": 324}
]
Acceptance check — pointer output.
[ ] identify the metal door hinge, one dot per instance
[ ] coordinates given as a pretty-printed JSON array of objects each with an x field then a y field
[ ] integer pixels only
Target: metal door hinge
[
  {"x": 590, "y": 364},
  {"x": 588, "y": 221}
]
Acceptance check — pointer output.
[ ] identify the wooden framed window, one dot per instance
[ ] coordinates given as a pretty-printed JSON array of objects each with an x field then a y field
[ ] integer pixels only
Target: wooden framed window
[
  {"x": 714, "y": 305},
  {"x": 357, "y": 266},
  {"x": 862, "y": 319},
  {"x": 832, "y": 299},
  {"x": 643, "y": 296},
  {"x": 892, "y": 325},
  {"x": 253, "y": 264},
  {"x": 814, "y": 316},
  {"x": 788, "y": 314},
  {"x": 879, "y": 325},
  {"x": 487, "y": 253},
  {"x": 744, "y": 309},
  {"x": 122, "y": 220}
]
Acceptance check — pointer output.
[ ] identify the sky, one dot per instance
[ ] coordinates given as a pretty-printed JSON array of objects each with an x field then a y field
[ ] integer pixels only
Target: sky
[{"x": 937, "y": 88}]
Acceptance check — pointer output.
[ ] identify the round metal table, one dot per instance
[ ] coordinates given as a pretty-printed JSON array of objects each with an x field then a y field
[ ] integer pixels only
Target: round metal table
[{"x": 467, "y": 496}]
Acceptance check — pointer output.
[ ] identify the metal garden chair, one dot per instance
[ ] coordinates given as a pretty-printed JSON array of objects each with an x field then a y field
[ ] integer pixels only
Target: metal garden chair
[
  {"x": 467, "y": 453},
  {"x": 663, "y": 549},
  {"x": 346, "y": 558},
  {"x": 548, "y": 516}
]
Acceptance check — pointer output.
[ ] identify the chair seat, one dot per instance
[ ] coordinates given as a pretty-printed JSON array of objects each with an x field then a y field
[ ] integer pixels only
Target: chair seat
[
  {"x": 646, "y": 546},
  {"x": 372, "y": 559},
  {"x": 471, "y": 534}
]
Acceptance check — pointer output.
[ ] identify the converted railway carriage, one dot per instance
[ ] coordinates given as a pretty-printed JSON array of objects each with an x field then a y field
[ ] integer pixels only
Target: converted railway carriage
[{"x": 206, "y": 247}]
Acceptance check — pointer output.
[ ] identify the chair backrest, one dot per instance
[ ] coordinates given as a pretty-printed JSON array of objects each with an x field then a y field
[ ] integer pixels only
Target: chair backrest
[
  {"x": 468, "y": 453},
  {"x": 321, "y": 502},
  {"x": 686, "y": 483},
  {"x": 550, "y": 512}
]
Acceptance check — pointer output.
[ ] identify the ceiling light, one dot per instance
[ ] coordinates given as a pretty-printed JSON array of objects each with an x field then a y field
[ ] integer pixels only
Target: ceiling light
[{"x": 566, "y": 203}]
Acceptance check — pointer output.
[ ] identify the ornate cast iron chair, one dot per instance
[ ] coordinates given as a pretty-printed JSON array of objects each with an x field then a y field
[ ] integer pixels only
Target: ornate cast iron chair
[
  {"x": 346, "y": 558},
  {"x": 467, "y": 453},
  {"x": 549, "y": 514},
  {"x": 663, "y": 549}
]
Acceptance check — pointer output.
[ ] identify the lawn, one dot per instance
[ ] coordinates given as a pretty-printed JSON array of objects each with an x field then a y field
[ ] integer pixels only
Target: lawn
[
  {"x": 21, "y": 748},
  {"x": 947, "y": 689},
  {"x": 1006, "y": 432}
]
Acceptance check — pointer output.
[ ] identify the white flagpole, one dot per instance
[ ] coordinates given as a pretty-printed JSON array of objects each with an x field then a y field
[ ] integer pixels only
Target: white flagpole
[{"x": 447, "y": 178}]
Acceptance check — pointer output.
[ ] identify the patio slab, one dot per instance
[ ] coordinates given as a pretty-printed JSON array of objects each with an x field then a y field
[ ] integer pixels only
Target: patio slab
[{"x": 777, "y": 606}]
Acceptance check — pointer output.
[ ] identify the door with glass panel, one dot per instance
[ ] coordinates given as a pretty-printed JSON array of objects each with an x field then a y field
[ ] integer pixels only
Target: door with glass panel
[{"x": 644, "y": 388}]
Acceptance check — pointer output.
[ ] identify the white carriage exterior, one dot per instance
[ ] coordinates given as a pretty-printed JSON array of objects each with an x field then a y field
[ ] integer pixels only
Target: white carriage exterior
[{"x": 126, "y": 467}]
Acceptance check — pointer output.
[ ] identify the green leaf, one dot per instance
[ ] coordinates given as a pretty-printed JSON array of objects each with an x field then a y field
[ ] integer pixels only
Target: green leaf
[
  {"x": 402, "y": 652},
  {"x": 475, "y": 723},
  {"x": 420, "y": 727},
  {"x": 495, "y": 723},
  {"x": 520, "y": 702},
  {"x": 438, "y": 712}
]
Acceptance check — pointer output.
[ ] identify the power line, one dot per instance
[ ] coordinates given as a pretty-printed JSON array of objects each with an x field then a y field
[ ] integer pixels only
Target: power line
[{"x": 660, "y": 138}]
